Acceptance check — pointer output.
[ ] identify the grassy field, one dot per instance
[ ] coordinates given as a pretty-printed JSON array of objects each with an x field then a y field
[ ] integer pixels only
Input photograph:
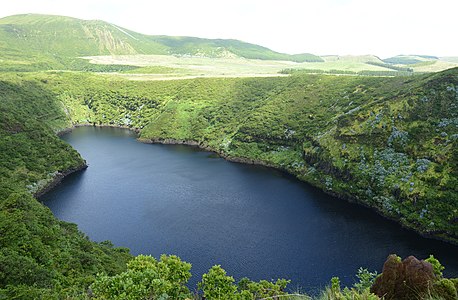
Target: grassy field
[
  {"x": 433, "y": 66},
  {"x": 171, "y": 67}
]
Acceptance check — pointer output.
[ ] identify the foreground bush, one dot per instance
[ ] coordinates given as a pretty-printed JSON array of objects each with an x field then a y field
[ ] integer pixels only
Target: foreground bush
[{"x": 146, "y": 278}]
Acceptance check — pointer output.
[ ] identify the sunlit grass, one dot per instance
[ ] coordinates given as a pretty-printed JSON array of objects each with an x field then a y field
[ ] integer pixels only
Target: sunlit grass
[{"x": 187, "y": 66}]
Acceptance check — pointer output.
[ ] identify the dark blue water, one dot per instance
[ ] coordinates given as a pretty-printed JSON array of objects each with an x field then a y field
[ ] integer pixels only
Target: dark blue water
[{"x": 254, "y": 221}]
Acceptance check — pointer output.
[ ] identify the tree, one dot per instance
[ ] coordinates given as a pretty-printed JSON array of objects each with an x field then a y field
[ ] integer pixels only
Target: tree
[{"x": 146, "y": 278}]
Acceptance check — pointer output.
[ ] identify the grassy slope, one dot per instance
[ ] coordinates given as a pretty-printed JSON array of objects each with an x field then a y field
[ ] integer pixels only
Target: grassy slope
[
  {"x": 422, "y": 63},
  {"x": 36, "y": 42},
  {"x": 408, "y": 59},
  {"x": 40, "y": 255},
  {"x": 227, "y": 48},
  {"x": 43, "y": 42},
  {"x": 385, "y": 142}
]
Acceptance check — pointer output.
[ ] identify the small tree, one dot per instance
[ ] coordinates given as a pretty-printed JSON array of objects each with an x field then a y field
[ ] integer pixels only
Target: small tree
[
  {"x": 217, "y": 285},
  {"x": 437, "y": 266},
  {"x": 366, "y": 279},
  {"x": 146, "y": 278}
]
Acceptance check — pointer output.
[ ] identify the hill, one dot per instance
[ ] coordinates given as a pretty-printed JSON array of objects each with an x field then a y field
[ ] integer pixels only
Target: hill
[
  {"x": 44, "y": 42},
  {"x": 422, "y": 63},
  {"x": 55, "y": 41},
  {"x": 409, "y": 59}
]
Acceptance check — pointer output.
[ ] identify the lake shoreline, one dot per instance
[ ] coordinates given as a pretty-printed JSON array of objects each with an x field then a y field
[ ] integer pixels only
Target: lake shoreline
[
  {"x": 61, "y": 175},
  {"x": 58, "y": 179},
  {"x": 249, "y": 161},
  {"x": 69, "y": 129},
  {"x": 242, "y": 160},
  {"x": 191, "y": 195}
]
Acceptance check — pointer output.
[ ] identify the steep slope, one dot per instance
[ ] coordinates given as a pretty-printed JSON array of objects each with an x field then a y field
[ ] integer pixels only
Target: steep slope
[
  {"x": 40, "y": 256},
  {"x": 70, "y": 37},
  {"x": 388, "y": 143},
  {"x": 56, "y": 39}
]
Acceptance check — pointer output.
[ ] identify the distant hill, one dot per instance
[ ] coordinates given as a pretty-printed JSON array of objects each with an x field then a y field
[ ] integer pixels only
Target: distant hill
[
  {"x": 453, "y": 59},
  {"x": 353, "y": 58},
  {"x": 422, "y": 63},
  {"x": 409, "y": 59},
  {"x": 55, "y": 39},
  {"x": 33, "y": 42}
]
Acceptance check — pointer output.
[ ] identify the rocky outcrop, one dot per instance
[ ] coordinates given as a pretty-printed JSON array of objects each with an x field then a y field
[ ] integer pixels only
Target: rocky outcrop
[
  {"x": 203, "y": 146},
  {"x": 404, "y": 280},
  {"x": 171, "y": 142},
  {"x": 57, "y": 179}
]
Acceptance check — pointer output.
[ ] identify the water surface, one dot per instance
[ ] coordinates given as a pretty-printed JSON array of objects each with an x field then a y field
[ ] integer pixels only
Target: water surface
[{"x": 254, "y": 221}]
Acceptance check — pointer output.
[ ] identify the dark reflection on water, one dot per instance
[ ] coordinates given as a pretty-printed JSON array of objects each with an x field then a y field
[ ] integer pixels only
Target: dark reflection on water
[{"x": 254, "y": 221}]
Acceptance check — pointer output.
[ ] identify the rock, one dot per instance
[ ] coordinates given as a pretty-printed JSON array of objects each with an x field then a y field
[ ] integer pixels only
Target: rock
[{"x": 408, "y": 279}]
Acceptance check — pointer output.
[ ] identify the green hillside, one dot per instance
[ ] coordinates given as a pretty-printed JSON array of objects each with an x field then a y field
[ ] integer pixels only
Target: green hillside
[
  {"x": 36, "y": 42},
  {"x": 409, "y": 59},
  {"x": 227, "y": 48},
  {"x": 43, "y": 42},
  {"x": 421, "y": 63},
  {"x": 40, "y": 256}
]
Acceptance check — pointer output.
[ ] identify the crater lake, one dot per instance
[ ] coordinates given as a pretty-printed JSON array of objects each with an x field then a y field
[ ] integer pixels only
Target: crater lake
[{"x": 254, "y": 221}]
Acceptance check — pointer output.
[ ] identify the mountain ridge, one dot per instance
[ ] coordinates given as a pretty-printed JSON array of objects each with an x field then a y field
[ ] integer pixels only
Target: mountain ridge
[
  {"x": 37, "y": 42},
  {"x": 47, "y": 33}
]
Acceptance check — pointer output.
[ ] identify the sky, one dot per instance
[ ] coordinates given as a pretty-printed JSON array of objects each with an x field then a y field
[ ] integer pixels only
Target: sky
[{"x": 323, "y": 27}]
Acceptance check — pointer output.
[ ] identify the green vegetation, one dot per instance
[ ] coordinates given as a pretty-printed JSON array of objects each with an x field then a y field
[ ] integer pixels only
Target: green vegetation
[
  {"x": 31, "y": 43},
  {"x": 227, "y": 48},
  {"x": 41, "y": 256},
  {"x": 437, "y": 267},
  {"x": 399, "y": 72},
  {"x": 147, "y": 278},
  {"x": 402, "y": 60},
  {"x": 388, "y": 66},
  {"x": 40, "y": 42},
  {"x": 420, "y": 63}
]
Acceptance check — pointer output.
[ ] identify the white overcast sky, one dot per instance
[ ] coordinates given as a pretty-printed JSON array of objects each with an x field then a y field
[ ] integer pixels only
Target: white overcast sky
[{"x": 384, "y": 28}]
